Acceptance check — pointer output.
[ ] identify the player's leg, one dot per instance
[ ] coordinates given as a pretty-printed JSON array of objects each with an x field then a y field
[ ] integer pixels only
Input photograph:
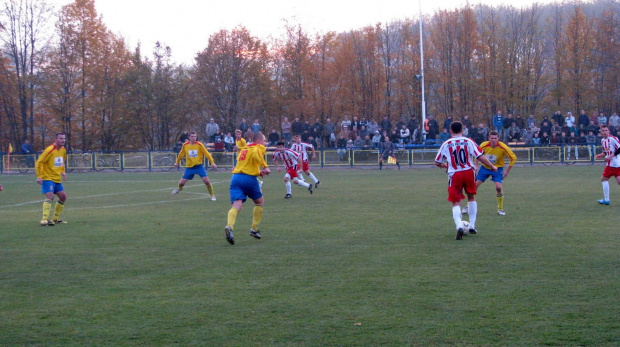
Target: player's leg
[
  {"x": 206, "y": 181},
  {"x": 469, "y": 185},
  {"x": 500, "y": 198},
  {"x": 287, "y": 184},
  {"x": 47, "y": 203},
  {"x": 180, "y": 185},
  {"x": 605, "y": 183},
  {"x": 257, "y": 215},
  {"x": 59, "y": 206},
  {"x": 381, "y": 163}
]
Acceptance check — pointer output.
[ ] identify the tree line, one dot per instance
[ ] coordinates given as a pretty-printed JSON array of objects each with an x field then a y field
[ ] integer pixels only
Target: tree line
[{"x": 66, "y": 71}]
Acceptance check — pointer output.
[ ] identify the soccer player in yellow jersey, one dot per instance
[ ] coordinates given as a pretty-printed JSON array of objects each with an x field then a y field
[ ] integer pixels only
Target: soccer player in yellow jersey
[
  {"x": 194, "y": 153},
  {"x": 239, "y": 141},
  {"x": 495, "y": 151},
  {"x": 50, "y": 169},
  {"x": 244, "y": 183}
]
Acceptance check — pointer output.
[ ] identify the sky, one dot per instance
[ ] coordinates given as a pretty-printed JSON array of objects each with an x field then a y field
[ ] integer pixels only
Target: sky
[{"x": 186, "y": 25}]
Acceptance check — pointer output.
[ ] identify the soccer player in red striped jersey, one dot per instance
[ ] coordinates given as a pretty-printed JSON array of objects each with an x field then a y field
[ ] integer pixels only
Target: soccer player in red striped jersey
[
  {"x": 611, "y": 149},
  {"x": 301, "y": 148},
  {"x": 292, "y": 161},
  {"x": 457, "y": 155}
]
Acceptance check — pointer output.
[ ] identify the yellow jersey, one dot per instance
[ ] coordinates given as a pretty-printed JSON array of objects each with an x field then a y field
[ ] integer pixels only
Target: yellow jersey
[
  {"x": 250, "y": 160},
  {"x": 194, "y": 154},
  {"x": 496, "y": 155},
  {"x": 240, "y": 144},
  {"x": 51, "y": 164}
]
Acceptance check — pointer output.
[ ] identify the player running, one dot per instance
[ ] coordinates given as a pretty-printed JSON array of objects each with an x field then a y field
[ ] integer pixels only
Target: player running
[
  {"x": 456, "y": 156},
  {"x": 495, "y": 151},
  {"x": 244, "y": 183},
  {"x": 291, "y": 160},
  {"x": 50, "y": 169},
  {"x": 611, "y": 149},
  {"x": 194, "y": 153},
  {"x": 301, "y": 148}
]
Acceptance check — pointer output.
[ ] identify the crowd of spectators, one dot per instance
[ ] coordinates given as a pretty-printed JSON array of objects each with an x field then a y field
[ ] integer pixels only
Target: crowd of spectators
[{"x": 352, "y": 132}]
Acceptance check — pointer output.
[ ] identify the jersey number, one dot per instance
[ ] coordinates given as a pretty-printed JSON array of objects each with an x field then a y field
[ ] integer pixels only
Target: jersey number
[
  {"x": 243, "y": 154},
  {"x": 459, "y": 156}
]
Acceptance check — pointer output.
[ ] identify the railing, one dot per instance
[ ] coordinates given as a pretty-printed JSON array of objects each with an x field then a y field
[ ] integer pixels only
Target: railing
[{"x": 330, "y": 157}]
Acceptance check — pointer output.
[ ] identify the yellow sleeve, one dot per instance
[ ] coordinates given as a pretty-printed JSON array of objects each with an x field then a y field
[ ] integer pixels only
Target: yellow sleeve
[
  {"x": 180, "y": 155},
  {"x": 39, "y": 167}
]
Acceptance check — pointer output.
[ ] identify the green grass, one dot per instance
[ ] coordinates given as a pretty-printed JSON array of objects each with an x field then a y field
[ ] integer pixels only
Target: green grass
[{"x": 370, "y": 259}]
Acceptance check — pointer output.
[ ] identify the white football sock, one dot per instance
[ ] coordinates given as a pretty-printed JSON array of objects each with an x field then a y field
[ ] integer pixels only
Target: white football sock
[
  {"x": 311, "y": 175},
  {"x": 288, "y": 187},
  {"x": 456, "y": 215},
  {"x": 473, "y": 209},
  {"x": 605, "y": 190}
]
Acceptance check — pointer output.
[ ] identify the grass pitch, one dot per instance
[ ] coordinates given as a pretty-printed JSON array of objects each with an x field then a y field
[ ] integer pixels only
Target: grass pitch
[{"x": 369, "y": 259}]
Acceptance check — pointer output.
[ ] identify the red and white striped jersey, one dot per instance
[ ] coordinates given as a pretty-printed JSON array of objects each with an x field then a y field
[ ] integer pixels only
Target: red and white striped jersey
[
  {"x": 301, "y": 149},
  {"x": 288, "y": 157},
  {"x": 460, "y": 153},
  {"x": 610, "y": 144}
]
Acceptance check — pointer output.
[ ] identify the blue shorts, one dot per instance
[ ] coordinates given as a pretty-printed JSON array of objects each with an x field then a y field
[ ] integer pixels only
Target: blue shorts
[
  {"x": 484, "y": 173},
  {"x": 243, "y": 186},
  {"x": 195, "y": 170},
  {"x": 51, "y": 187}
]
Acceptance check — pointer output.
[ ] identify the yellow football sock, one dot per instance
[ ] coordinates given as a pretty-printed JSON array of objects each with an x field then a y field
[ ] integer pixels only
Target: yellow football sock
[
  {"x": 210, "y": 189},
  {"x": 500, "y": 201},
  {"x": 232, "y": 217},
  {"x": 57, "y": 210},
  {"x": 257, "y": 216},
  {"x": 180, "y": 188},
  {"x": 47, "y": 206}
]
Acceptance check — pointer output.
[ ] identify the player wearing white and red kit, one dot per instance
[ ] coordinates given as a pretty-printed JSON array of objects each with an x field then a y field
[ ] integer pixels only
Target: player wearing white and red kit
[
  {"x": 457, "y": 155},
  {"x": 611, "y": 147},
  {"x": 302, "y": 148},
  {"x": 292, "y": 161}
]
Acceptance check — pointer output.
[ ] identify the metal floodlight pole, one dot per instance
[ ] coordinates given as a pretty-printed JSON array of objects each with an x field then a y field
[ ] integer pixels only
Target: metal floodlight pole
[{"x": 422, "y": 75}]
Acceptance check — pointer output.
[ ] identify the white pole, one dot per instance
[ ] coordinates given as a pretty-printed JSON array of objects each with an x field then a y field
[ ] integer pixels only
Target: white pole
[{"x": 422, "y": 75}]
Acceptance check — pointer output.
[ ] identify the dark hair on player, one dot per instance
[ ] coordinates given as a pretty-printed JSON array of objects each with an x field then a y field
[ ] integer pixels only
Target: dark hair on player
[{"x": 456, "y": 127}]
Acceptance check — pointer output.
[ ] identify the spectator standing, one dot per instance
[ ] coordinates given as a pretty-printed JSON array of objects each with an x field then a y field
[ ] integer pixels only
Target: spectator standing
[
  {"x": 328, "y": 129},
  {"x": 557, "y": 117},
  {"x": 297, "y": 126},
  {"x": 569, "y": 120},
  {"x": 590, "y": 142},
  {"x": 498, "y": 122},
  {"x": 244, "y": 126},
  {"x": 614, "y": 120},
  {"x": 317, "y": 130},
  {"x": 346, "y": 122},
  {"x": 602, "y": 119},
  {"x": 527, "y": 137},
  {"x": 286, "y": 130},
  {"x": 583, "y": 119},
  {"x": 520, "y": 122},
  {"x": 466, "y": 122},
  {"x": 593, "y": 127},
  {"x": 446, "y": 123},
  {"x": 372, "y": 126},
  {"x": 256, "y": 127},
  {"x": 28, "y": 151},
  {"x": 433, "y": 128},
  {"x": 385, "y": 124},
  {"x": 184, "y": 136},
  {"x": 355, "y": 122},
  {"x": 507, "y": 123},
  {"x": 306, "y": 127},
  {"x": 211, "y": 129}
]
